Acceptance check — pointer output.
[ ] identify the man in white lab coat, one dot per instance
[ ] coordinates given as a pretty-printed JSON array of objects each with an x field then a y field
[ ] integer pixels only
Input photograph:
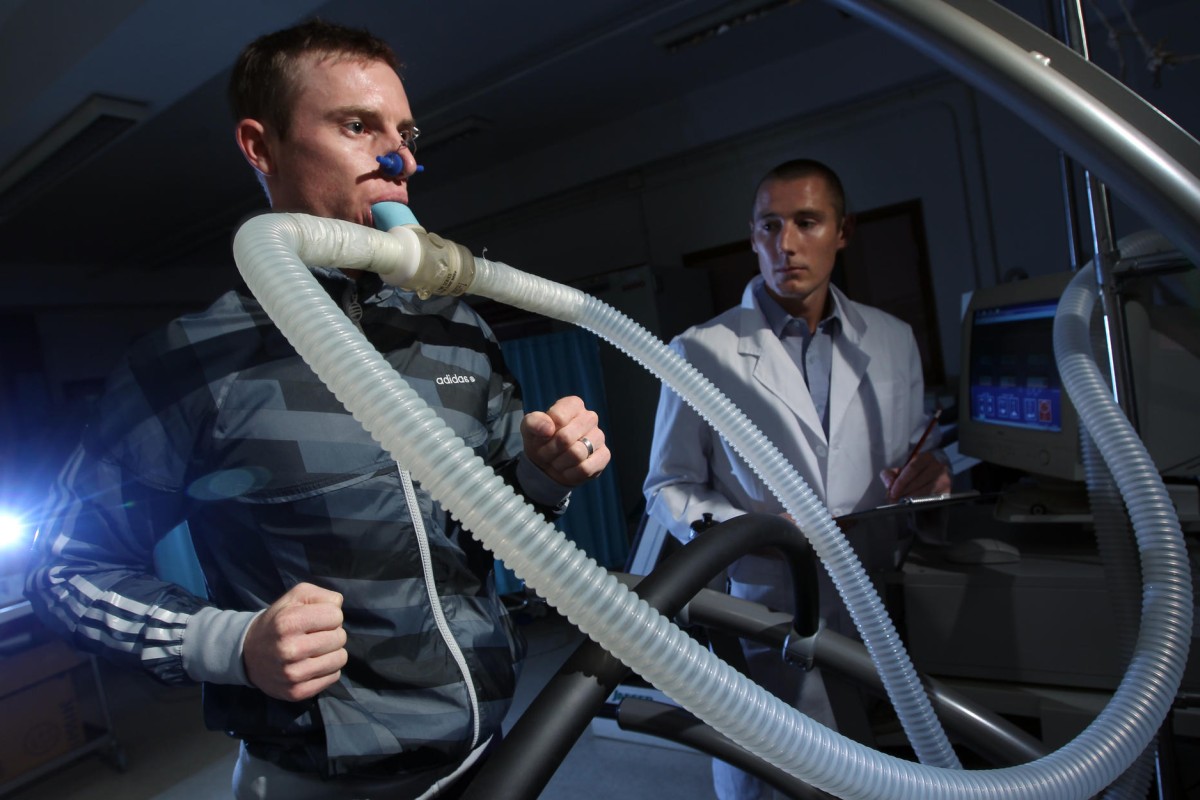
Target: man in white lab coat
[{"x": 835, "y": 385}]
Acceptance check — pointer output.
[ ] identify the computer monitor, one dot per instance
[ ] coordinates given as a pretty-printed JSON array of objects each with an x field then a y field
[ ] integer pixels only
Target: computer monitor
[{"x": 1013, "y": 408}]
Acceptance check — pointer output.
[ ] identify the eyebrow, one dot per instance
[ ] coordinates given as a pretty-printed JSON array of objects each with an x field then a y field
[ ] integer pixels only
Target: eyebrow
[
  {"x": 363, "y": 111},
  {"x": 800, "y": 212},
  {"x": 352, "y": 111}
]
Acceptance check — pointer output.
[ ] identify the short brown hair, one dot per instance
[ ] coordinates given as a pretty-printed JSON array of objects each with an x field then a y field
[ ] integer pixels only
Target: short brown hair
[
  {"x": 264, "y": 84},
  {"x": 806, "y": 168}
]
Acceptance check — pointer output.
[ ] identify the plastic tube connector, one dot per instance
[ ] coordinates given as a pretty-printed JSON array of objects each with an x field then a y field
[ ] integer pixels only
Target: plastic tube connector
[
  {"x": 443, "y": 266},
  {"x": 392, "y": 164}
]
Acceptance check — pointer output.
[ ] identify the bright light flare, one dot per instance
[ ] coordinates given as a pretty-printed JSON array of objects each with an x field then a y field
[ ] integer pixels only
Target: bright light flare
[{"x": 12, "y": 530}]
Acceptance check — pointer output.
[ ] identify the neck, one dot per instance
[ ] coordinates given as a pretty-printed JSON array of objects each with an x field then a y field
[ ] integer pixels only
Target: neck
[{"x": 812, "y": 308}]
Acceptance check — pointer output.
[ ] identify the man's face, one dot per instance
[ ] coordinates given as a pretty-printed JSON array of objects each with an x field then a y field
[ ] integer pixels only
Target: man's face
[
  {"x": 347, "y": 112},
  {"x": 797, "y": 233}
]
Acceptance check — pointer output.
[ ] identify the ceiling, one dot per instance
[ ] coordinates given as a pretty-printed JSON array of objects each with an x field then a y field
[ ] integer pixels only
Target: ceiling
[{"x": 487, "y": 81}]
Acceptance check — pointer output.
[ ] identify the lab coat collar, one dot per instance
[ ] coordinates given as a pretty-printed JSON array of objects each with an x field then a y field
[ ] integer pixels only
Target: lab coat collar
[{"x": 777, "y": 373}]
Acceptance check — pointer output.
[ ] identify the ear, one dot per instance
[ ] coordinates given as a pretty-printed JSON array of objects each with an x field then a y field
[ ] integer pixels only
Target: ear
[
  {"x": 847, "y": 228},
  {"x": 753, "y": 244},
  {"x": 252, "y": 140}
]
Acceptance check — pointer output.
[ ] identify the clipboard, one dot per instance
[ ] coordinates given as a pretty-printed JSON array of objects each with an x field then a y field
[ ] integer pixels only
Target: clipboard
[{"x": 908, "y": 504}]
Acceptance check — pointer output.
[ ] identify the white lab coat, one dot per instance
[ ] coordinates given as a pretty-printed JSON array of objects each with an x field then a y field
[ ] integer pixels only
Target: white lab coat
[{"x": 876, "y": 415}]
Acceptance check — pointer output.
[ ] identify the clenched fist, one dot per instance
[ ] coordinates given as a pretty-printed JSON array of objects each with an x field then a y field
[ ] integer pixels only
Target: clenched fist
[{"x": 297, "y": 647}]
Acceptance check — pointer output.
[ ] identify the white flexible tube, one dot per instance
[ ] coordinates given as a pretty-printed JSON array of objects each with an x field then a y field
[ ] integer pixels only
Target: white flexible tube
[
  {"x": 1115, "y": 543},
  {"x": 1160, "y": 653},
  {"x": 266, "y": 251},
  {"x": 1122, "y": 576}
]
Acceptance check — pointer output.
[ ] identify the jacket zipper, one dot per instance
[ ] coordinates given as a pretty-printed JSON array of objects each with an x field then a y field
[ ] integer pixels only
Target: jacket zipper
[{"x": 410, "y": 496}]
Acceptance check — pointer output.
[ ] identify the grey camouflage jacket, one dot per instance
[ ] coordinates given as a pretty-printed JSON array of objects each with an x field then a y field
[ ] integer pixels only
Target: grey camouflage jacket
[{"x": 216, "y": 421}]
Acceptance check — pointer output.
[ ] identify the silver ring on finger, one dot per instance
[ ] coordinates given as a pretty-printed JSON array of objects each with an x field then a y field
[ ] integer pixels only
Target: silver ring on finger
[{"x": 587, "y": 443}]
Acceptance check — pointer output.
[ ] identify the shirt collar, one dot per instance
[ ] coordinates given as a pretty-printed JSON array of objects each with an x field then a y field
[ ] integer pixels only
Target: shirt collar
[{"x": 778, "y": 318}]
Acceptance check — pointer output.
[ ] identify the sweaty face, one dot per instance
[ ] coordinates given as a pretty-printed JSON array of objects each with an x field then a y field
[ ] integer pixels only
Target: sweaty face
[
  {"x": 796, "y": 233},
  {"x": 346, "y": 113}
]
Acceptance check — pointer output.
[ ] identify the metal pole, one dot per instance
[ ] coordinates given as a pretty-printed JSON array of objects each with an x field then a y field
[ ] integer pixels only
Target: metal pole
[
  {"x": 1104, "y": 248},
  {"x": 1066, "y": 164}
]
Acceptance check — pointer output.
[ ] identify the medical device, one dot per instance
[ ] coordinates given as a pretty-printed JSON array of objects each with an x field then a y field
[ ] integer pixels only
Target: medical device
[
  {"x": 392, "y": 164},
  {"x": 1015, "y": 411}
]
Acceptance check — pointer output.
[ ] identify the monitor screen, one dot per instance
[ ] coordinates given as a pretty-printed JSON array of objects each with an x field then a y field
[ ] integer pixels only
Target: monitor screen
[
  {"x": 1014, "y": 380},
  {"x": 1014, "y": 410}
]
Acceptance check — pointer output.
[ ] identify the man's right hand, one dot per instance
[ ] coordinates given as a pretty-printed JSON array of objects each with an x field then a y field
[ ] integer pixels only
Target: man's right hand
[{"x": 297, "y": 647}]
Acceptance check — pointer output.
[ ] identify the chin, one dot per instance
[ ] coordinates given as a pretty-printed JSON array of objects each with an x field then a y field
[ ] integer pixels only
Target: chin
[{"x": 794, "y": 290}]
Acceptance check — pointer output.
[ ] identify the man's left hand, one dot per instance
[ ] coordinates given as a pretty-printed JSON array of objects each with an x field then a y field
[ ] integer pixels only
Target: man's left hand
[
  {"x": 923, "y": 477},
  {"x": 565, "y": 443}
]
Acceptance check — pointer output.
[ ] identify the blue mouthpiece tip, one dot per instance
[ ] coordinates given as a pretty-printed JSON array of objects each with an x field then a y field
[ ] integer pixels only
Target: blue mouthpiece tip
[{"x": 390, "y": 214}]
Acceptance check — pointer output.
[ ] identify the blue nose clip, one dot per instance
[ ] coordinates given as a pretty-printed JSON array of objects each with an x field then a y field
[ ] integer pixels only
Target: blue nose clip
[{"x": 392, "y": 164}]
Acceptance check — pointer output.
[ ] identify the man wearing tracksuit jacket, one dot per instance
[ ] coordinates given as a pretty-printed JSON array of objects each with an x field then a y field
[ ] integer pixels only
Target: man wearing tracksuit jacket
[{"x": 350, "y": 635}]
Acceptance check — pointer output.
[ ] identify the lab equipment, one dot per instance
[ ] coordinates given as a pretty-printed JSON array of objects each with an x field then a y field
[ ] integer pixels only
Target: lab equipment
[{"x": 1013, "y": 409}]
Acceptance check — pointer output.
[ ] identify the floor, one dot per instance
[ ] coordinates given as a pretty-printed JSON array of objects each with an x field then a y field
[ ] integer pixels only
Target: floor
[{"x": 169, "y": 754}]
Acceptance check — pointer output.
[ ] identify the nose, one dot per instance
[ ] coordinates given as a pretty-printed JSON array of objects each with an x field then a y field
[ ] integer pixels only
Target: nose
[
  {"x": 394, "y": 164},
  {"x": 788, "y": 237}
]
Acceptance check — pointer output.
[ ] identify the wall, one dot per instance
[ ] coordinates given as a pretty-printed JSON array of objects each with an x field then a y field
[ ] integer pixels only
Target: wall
[{"x": 917, "y": 143}]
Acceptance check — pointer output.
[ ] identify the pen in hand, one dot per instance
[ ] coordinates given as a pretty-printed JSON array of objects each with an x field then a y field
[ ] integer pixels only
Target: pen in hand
[{"x": 920, "y": 442}]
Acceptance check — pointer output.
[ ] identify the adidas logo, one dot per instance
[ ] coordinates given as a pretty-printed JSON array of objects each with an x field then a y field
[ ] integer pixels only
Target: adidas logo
[{"x": 445, "y": 379}]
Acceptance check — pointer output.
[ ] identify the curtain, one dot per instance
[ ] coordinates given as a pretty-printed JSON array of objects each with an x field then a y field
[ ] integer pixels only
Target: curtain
[{"x": 547, "y": 367}]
